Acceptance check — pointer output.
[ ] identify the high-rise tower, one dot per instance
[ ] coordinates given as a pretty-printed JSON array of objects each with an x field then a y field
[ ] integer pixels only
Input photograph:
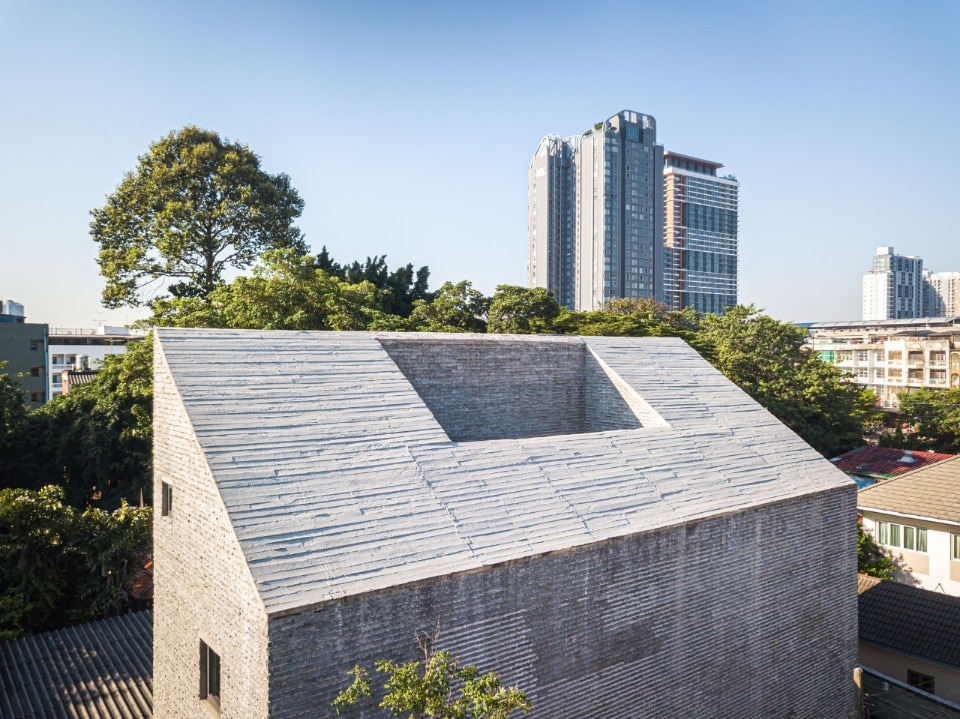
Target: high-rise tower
[
  {"x": 941, "y": 294},
  {"x": 595, "y": 213},
  {"x": 619, "y": 211},
  {"x": 893, "y": 288},
  {"x": 551, "y": 217},
  {"x": 700, "y": 235}
]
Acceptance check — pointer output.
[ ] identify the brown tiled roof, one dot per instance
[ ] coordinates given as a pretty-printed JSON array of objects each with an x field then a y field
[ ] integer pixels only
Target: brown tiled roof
[
  {"x": 932, "y": 492},
  {"x": 907, "y": 619},
  {"x": 97, "y": 670},
  {"x": 885, "y": 462}
]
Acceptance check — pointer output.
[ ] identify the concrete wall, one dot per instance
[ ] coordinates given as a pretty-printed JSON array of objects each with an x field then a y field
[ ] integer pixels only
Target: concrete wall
[
  {"x": 751, "y": 614},
  {"x": 480, "y": 390},
  {"x": 203, "y": 588}
]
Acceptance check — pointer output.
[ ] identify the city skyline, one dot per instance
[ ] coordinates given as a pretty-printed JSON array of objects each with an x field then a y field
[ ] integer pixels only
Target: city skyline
[{"x": 408, "y": 130}]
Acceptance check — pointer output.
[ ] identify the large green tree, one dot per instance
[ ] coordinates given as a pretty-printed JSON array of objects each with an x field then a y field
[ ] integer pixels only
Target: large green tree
[
  {"x": 399, "y": 289},
  {"x": 60, "y": 565},
  {"x": 522, "y": 310},
  {"x": 194, "y": 206},
  {"x": 936, "y": 415},
  {"x": 285, "y": 291},
  {"x": 455, "y": 308},
  {"x": 769, "y": 361}
]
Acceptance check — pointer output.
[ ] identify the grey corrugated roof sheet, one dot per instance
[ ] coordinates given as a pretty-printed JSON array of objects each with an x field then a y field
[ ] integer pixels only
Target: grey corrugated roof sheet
[
  {"x": 97, "y": 670},
  {"x": 338, "y": 479},
  {"x": 909, "y": 619},
  {"x": 931, "y": 492}
]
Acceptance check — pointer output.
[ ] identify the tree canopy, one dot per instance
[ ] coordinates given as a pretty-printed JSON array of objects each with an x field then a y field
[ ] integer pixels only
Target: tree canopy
[
  {"x": 936, "y": 415},
  {"x": 95, "y": 441},
  {"x": 522, "y": 310},
  {"x": 59, "y": 565},
  {"x": 194, "y": 206},
  {"x": 439, "y": 687},
  {"x": 767, "y": 359}
]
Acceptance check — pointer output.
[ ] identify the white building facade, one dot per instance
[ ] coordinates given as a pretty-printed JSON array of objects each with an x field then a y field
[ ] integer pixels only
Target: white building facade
[
  {"x": 893, "y": 288},
  {"x": 893, "y": 357},
  {"x": 76, "y": 349}
]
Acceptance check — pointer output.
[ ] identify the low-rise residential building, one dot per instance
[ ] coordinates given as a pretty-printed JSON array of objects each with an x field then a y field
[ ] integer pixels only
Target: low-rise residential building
[
  {"x": 869, "y": 465},
  {"x": 911, "y": 635},
  {"x": 23, "y": 347},
  {"x": 916, "y": 518},
  {"x": 74, "y": 350},
  {"x": 893, "y": 357}
]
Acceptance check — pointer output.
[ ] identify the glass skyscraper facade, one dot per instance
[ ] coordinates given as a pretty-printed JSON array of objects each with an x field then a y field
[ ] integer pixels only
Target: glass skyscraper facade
[
  {"x": 551, "y": 217},
  {"x": 700, "y": 235},
  {"x": 611, "y": 215}
]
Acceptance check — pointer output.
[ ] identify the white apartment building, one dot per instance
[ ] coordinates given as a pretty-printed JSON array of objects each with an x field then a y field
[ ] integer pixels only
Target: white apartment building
[
  {"x": 75, "y": 349},
  {"x": 941, "y": 294},
  {"x": 893, "y": 357},
  {"x": 893, "y": 288}
]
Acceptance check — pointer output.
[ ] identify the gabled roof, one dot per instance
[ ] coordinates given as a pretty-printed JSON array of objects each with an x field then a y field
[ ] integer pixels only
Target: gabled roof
[
  {"x": 931, "y": 492},
  {"x": 97, "y": 670},
  {"x": 339, "y": 480},
  {"x": 908, "y": 619},
  {"x": 885, "y": 462}
]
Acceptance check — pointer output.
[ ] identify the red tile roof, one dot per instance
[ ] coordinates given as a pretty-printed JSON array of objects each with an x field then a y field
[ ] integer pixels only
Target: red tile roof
[{"x": 885, "y": 462}]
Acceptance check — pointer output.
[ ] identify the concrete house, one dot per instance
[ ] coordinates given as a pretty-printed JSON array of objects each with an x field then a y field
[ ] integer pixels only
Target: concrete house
[{"x": 599, "y": 520}]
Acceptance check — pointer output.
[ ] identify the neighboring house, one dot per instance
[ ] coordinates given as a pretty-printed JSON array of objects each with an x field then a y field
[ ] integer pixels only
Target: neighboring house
[
  {"x": 97, "y": 670},
  {"x": 23, "y": 347},
  {"x": 911, "y": 634},
  {"x": 916, "y": 517},
  {"x": 78, "y": 350},
  {"x": 598, "y": 520},
  {"x": 868, "y": 465}
]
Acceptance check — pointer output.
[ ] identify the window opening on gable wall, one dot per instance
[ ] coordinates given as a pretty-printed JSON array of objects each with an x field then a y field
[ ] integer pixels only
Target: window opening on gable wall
[
  {"x": 209, "y": 675},
  {"x": 166, "y": 499}
]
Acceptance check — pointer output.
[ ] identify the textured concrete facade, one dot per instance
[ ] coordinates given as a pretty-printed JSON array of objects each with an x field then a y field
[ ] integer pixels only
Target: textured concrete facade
[
  {"x": 202, "y": 587},
  {"x": 681, "y": 622},
  {"x": 522, "y": 390},
  {"x": 633, "y": 545}
]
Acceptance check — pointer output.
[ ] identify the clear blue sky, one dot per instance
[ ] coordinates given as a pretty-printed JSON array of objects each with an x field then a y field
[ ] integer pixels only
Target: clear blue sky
[{"x": 407, "y": 127}]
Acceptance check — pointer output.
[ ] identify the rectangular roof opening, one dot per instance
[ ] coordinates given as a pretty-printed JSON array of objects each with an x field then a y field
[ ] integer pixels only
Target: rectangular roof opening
[{"x": 483, "y": 389}]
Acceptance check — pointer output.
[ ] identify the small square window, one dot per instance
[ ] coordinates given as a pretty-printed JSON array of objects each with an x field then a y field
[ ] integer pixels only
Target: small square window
[
  {"x": 209, "y": 675},
  {"x": 924, "y": 682},
  {"x": 166, "y": 499}
]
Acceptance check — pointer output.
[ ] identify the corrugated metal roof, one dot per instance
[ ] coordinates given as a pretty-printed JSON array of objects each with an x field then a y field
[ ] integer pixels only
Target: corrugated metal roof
[
  {"x": 908, "y": 619},
  {"x": 338, "y": 479},
  {"x": 932, "y": 492},
  {"x": 97, "y": 670},
  {"x": 885, "y": 462}
]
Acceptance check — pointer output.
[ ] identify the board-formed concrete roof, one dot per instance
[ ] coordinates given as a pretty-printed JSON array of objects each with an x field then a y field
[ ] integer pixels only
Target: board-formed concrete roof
[{"x": 338, "y": 478}]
